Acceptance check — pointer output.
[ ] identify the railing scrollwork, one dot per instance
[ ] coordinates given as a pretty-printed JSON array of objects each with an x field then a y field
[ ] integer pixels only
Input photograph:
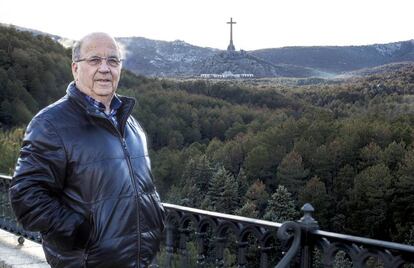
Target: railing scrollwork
[
  {"x": 199, "y": 238},
  {"x": 289, "y": 232}
]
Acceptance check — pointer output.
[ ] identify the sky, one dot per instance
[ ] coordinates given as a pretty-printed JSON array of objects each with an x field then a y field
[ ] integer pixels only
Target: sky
[{"x": 259, "y": 23}]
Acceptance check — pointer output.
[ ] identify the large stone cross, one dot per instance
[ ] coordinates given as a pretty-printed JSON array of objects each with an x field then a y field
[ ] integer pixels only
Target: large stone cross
[{"x": 231, "y": 46}]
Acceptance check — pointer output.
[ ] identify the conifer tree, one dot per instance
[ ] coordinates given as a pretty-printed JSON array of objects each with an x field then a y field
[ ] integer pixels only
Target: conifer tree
[
  {"x": 188, "y": 182},
  {"x": 370, "y": 200},
  {"x": 203, "y": 173},
  {"x": 292, "y": 173},
  {"x": 242, "y": 182},
  {"x": 258, "y": 195},
  {"x": 196, "y": 176},
  {"x": 230, "y": 198},
  {"x": 370, "y": 155},
  {"x": 342, "y": 186},
  {"x": 343, "y": 183},
  {"x": 323, "y": 164},
  {"x": 403, "y": 202},
  {"x": 315, "y": 193},
  {"x": 222, "y": 195},
  {"x": 249, "y": 209},
  {"x": 258, "y": 162},
  {"x": 393, "y": 154},
  {"x": 281, "y": 206}
]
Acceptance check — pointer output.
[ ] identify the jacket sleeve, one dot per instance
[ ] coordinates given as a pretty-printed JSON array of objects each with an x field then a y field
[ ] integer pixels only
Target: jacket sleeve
[{"x": 37, "y": 186}]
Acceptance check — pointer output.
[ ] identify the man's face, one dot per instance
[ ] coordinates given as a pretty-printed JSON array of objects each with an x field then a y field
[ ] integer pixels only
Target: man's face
[{"x": 97, "y": 80}]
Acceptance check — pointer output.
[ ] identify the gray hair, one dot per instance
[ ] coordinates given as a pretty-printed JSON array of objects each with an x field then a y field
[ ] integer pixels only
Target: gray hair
[{"x": 76, "y": 50}]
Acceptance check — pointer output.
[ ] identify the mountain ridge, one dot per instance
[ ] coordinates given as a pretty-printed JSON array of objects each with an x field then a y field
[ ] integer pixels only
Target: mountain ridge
[
  {"x": 158, "y": 58},
  {"x": 316, "y": 61}
]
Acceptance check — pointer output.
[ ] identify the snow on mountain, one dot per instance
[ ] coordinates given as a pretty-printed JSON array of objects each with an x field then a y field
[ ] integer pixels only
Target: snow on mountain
[{"x": 387, "y": 49}]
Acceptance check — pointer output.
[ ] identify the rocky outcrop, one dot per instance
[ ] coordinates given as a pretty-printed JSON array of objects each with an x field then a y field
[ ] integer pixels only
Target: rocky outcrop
[{"x": 244, "y": 63}]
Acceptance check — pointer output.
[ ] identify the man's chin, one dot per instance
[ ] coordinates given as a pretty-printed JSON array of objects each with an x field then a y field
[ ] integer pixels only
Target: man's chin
[{"x": 104, "y": 91}]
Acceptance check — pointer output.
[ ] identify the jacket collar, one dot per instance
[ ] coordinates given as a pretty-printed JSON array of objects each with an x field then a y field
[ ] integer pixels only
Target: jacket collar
[{"x": 75, "y": 94}]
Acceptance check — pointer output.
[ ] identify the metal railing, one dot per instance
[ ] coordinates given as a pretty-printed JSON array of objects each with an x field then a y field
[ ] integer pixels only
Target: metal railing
[
  {"x": 199, "y": 238},
  {"x": 7, "y": 219}
]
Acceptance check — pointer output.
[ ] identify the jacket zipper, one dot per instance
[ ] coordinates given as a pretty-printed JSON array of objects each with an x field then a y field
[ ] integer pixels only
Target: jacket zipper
[
  {"x": 131, "y": 173},
  {"x": 87, "y": 245},
  {"x": 124, "y": 146}
]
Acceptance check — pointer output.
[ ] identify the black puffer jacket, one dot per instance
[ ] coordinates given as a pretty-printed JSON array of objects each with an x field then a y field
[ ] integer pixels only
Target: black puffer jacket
[{"x": 87, "y": 187}]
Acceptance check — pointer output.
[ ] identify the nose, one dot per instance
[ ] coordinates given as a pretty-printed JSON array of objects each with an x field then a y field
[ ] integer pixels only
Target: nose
[{"x": 104, "y": 67}]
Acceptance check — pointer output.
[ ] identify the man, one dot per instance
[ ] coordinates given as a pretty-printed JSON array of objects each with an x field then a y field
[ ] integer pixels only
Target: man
[{"x": 83, "y": 177}]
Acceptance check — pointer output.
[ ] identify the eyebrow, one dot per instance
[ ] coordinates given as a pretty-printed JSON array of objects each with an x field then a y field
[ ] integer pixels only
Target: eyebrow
[{"x": 97, "y": 56}]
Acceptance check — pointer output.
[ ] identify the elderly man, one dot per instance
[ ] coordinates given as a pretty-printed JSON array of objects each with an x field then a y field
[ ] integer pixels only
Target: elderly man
[{"x": 83, "y": 177}]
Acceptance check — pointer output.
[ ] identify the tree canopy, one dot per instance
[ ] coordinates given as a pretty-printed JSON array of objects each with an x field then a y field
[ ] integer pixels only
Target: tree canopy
[{"x": 251, "y": 148}]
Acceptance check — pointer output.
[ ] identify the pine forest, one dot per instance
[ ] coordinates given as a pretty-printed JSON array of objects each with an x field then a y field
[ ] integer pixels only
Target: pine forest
[{"x": 257, "y": 148}]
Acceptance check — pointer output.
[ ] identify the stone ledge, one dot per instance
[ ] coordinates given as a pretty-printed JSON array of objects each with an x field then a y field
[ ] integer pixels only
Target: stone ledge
[{"x": 13, "y": 255}]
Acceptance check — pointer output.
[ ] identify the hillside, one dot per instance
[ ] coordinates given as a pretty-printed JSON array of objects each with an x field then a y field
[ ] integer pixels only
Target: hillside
[
  {"x": 336, "y": 59},
  {"x": 244, "y": 63},
  {"x": 157, "y": 58},
  {"x": 345, "y": 145},
  {"x": 34, "y": 70},
  {"x": 377, "y": 70},
  {"x": 169, "y": 59},
  {"x": 161, "y": 58}
]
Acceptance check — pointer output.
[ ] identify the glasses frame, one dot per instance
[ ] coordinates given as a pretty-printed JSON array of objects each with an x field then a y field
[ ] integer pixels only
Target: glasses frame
[{"x": 101, "y": 59}]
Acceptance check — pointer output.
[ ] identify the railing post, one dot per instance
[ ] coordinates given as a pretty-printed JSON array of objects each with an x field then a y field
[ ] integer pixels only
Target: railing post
[
  {"x": 241, "y": 254},
  {"x": 307, "y": 224},
  {"x": 264, "y": 256},
  {"x": 169, "y": 244},
  {"x": 9, "y": 220},
  {"x": 219, "y": 251},
  {"x": 3, "y": 203},
  {"x": 184, "y": 232},
  {"x": 201, "y": 248}
]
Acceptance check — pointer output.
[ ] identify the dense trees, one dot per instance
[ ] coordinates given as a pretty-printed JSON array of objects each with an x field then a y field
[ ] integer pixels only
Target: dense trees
[
  {"x": 34, "y": 71},
  {"x": 254, "y": 150},
  {"x": 346, "y": 159},
  {"x": 10, "y": 142}
]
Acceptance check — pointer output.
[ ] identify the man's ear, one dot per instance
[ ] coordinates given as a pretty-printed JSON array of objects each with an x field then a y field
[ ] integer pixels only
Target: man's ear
[{"x": 75, "y": 70}]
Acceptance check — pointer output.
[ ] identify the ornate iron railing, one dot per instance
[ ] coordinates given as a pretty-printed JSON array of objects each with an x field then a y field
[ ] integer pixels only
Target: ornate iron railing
[
  {"x": 7, "y": 219},
  {"x": 307, "y": 246},
  {"x": 199, "y": 238}
]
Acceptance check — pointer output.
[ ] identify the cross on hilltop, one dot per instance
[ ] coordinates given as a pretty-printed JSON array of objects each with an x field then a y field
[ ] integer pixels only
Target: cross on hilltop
[{"x": 231, "y": 46}]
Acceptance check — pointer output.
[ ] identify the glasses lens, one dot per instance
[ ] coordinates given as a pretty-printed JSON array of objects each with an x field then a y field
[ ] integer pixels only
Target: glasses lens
[
  {"x": 114, "y": 62},
  {"x": 94, "y": 61}
]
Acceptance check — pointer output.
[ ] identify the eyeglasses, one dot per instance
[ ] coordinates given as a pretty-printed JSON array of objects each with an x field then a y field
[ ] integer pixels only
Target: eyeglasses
[{"x": 96, "y": 61}]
